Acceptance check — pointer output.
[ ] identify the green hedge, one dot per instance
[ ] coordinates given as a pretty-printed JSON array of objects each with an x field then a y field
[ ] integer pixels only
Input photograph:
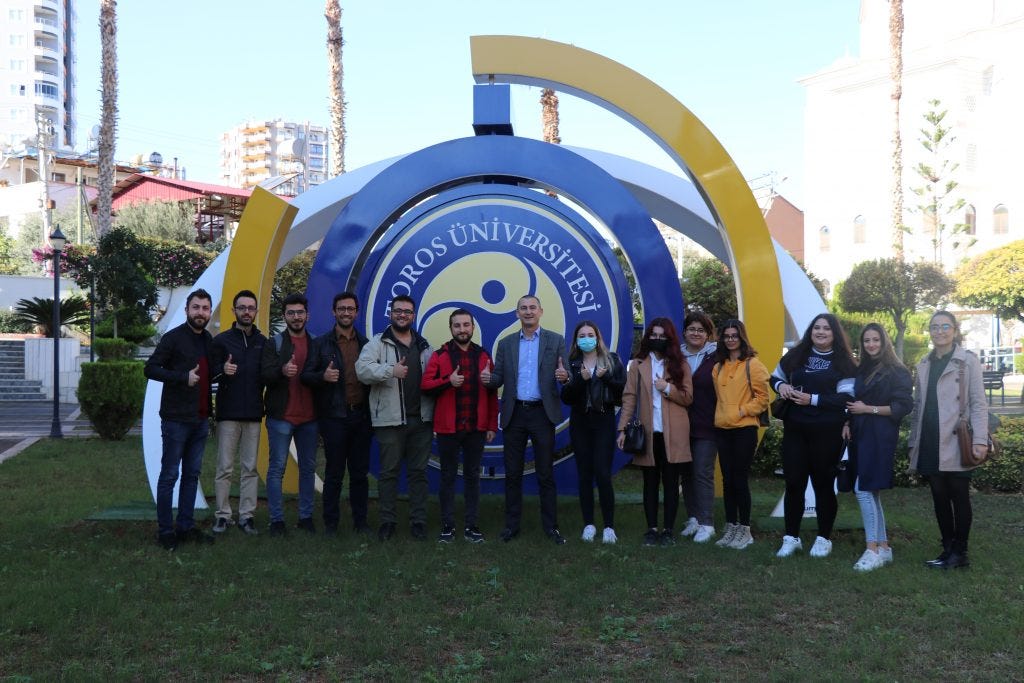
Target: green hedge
[
  {"x": 10, "y": 323},
  {"x": 1018, "y": 363},
  {"x": 114, "y": 349},
  {"x": 111, "y": 395}
]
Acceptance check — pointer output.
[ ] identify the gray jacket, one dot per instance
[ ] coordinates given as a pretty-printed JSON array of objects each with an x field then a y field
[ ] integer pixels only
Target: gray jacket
[
  {"x": 506, "y": 372},
  {"x": 387, "y": 393}
]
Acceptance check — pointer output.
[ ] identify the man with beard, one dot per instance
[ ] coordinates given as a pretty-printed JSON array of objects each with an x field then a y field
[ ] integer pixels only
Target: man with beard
[
  {"x": 530, "y": 364},
  {"x": 290, "y": 415},
  {"x": 465, "y": 416},
  {"x": 392, "y": 363},
  {"x": 342, "y": 413},
  {"x": 237, "y": 353},
  {"x": 182, "y": 362}
]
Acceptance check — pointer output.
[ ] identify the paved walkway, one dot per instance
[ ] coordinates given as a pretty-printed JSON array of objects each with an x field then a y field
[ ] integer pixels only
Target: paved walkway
[{"x": 22, "y": 423}]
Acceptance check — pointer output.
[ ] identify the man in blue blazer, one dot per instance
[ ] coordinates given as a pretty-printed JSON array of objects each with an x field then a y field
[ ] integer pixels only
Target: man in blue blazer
[{"x": 531, "y": 365}]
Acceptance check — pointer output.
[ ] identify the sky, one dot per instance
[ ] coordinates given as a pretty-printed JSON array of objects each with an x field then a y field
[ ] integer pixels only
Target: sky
[{"x": 189, "y": 70}]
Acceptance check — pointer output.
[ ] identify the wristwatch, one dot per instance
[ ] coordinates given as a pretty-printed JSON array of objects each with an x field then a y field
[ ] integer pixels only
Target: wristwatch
[{"x": 874, "y": 410}]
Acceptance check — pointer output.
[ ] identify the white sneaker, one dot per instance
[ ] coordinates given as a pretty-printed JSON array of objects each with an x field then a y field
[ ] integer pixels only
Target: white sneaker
[
  {"x": 885, "y": 554},
  {"x": 742, "y": 539},
  {"x": 730, "y": 533},
  {"x": 691, "y": 527},
  {"x": 790, "y": 544},
  {"x": 821, "y": 548},
  {"x": 589, "y": 531},
  {"x": 609, "y": 535},
  {"x": 704, "y": 534},
  {"x": 868, "y": 561}
]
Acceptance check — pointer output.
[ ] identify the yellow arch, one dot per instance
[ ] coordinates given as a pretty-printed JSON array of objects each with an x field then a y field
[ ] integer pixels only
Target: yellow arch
[
  {"x": 262, "y": 230},
  {"x": 672, "y": 126}
]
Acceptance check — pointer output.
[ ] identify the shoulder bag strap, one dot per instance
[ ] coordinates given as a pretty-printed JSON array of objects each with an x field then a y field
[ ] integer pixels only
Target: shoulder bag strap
[{"x": 963, "y": 390}]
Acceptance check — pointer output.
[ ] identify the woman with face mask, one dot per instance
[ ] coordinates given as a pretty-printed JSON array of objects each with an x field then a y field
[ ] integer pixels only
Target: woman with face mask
[
  {"x": 883, "y": 391},
  {"x": 659, "y": 387},
  {"x": 594, "y": 388}
]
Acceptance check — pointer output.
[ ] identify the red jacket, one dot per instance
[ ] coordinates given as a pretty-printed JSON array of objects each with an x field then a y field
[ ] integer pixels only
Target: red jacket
[{"x": 436, "y": 381}]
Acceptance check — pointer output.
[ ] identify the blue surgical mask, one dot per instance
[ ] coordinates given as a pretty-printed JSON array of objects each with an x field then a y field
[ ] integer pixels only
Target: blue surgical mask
[{"x": 586, "y": 344}]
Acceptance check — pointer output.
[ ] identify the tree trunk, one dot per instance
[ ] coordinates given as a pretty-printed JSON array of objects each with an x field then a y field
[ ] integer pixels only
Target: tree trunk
[
  {"x": 549, "y": 116},
  {"x": 896, "y": 76},
  {"x": 108, "y": 115},
  {"x": 900, "y": 322},
  {"x": 336, "y": 89}
]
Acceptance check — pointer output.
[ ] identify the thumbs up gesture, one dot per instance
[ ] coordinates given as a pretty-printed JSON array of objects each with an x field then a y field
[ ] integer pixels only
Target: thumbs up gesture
[
  {"x": 290, "y": 369},
  {"x": 229, "y": 367},
  {"x": 456, "y": 377},
  {"x": 560, "y": 373},
  {"x": 331, "y": 374},
  {"x": 193, "y": 376},
  {"x": 399, "y": 370},
  {"x": 660, "y": 384},
  {"x": 485, "y": 374}
]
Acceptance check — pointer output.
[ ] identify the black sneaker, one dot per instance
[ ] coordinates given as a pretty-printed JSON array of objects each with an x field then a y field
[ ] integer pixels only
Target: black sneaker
[
  {"x": 651, "y": 537},
  {"x": 168, "y": 541},
  {"x": 194, "y": 535},
  {"x": 419, "y": 531},
  {"x": 508, "y": 534},
  {"x": 247, "y": 526},
  {"x": 447, "y": 534},
  {"x": 473, "y": 535},
  {"x": 667, "y": 538},
  {"x": 306, "y": 524},
  {"x": 556, "y": 537},
  {"x": 278, "y": 529},
  {"x": 221, "y": 525},
  {"x": 386, "y": 531}
]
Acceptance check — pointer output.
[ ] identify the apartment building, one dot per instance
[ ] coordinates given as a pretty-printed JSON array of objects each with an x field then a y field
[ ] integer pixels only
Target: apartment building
[{"x": 288, "y": 157}]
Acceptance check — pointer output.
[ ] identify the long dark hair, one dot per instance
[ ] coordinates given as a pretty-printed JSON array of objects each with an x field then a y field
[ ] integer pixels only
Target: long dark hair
[
  {"x": 887, "y": 358},
  {"x": 673, "y": 356},
  {"x": 746, "y": 350},
  {"x": 842, "y": 356}
]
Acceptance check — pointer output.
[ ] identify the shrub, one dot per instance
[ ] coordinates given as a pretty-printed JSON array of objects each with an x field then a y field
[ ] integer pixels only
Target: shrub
[
  {"x": 133, "y": 324},
  {"x": 1005, "y": 474},
  {"x": 114, "y": 349},
  {"x": 1018, "y": 363},
  {"x": 111, "y": 395},
  {"x": 768, "y": 456},
  {"x": 11, "y": 323}
]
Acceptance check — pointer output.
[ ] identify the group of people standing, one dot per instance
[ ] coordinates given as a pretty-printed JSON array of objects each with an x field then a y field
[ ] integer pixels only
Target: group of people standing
[{"x": 698, "y": 399}]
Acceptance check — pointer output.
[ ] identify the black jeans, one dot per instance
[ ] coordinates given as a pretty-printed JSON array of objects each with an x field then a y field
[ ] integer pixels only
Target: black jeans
[
  {"x": 346, "y": 442},
  {"x": 530, "y": 422},
  {"x": 472, "y": 446},
  {"x": 593, "y": 446},
  {"x": 735, "y": 454},
  {"x": 667, "y": 475},
  {"x": 952, "y": 498},
  {"x": 811, "y": 451}
]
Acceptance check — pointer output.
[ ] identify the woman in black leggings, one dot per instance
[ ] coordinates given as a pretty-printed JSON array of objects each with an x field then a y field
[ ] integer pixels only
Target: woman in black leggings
[{"x": 934, "y": 451}]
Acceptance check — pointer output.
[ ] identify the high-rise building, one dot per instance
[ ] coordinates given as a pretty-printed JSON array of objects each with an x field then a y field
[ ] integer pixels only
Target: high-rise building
[
  {"x": 293, "y": 154},
  {"x": 37, "y": 70}
]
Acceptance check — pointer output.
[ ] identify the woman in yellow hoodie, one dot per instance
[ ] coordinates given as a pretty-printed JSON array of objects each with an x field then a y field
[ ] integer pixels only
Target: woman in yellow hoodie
[{"x": 741, "y": 385}]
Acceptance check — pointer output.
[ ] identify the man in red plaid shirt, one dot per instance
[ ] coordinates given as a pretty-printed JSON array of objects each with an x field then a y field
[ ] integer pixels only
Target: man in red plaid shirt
[{"x": 465, "y": 417}]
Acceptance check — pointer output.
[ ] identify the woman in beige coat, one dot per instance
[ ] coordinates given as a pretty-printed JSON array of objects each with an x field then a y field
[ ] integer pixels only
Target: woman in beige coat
[
  {"x": 934, "y": 451},
  {"x": 659, "y": 386}
]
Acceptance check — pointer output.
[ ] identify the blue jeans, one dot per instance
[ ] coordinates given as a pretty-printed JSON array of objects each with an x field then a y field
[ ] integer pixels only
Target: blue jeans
[
  {"x": 279, "y": 437},
  {"x": 183, "y": 446}
]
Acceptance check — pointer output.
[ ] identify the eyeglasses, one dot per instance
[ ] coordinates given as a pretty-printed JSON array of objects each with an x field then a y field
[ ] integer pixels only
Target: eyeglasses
[
  {"x": 730, "y": 337},
  {"x": 346, "y": 309},
  {"x": 246, "y": 309},
  {"x": 404, "y": 312},
  {"x": 696, "y": 330},
  {"x": 944, "y": 327},
  {"x": 295, "y": 314}
]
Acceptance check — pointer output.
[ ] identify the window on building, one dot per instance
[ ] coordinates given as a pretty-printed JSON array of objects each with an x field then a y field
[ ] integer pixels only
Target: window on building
[
  {"x": 46, "y": 89},
  {"x": 17, "y": 65},
  {"x": 16, "y": 14},
  {"x": 971, "y": 220},
  {"x": 972, "y": 157},
  {"x": 58, "y": 177},
  {"x": 860, "y": 230},
  {"x": 17, "y": 40},
  {"x": 1000, "y": 220},
  {"x": 316, "y": 150},
  {"x": 824, "y": 238}
]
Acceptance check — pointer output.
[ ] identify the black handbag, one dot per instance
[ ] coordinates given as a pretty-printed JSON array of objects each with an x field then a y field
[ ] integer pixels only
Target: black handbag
[
  {"x": 779, "y": 407},
  {"x": 846, "y": 472},
  {"x": 635, "y": 439}
]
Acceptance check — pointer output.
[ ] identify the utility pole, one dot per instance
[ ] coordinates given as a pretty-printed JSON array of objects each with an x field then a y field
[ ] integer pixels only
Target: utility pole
[{"x": 44, "y": 133}]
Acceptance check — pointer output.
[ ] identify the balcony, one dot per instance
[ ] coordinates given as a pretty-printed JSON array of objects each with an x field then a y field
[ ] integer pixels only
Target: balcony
[
  {"x": 45, "y": 49},
  {"x": 254, "y": 155}
]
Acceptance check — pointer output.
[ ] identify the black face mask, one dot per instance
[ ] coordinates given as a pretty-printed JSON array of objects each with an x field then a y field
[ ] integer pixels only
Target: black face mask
[{"x": 657, "y": 345}]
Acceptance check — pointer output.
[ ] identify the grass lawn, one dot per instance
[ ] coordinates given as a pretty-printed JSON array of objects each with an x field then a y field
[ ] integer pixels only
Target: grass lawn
[{"x": 88, "y": 600}]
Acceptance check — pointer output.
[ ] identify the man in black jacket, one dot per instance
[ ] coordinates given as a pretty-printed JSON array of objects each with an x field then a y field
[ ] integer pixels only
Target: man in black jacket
[
  {"x": 236, "y": 364},
  {"x": 182, "y": 362},
  {"x": 342, "y": 412},
  {"x": 290, "y": 414}
]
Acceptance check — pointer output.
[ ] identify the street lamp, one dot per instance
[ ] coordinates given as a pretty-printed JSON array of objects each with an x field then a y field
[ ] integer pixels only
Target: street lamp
[{"x": 57, "y": 241}]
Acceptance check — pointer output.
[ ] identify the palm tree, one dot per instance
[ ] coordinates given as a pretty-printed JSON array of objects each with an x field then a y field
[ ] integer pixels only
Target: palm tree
[
  {"x": 108, "y": 113},
  {"x": 336, "y": 75},
  {"x": 896, "y": 76},
  {"x": 549, "y": 116}
]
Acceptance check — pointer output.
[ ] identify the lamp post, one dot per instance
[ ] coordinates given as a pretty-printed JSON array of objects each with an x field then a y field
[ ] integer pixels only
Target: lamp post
[{"x": 57, "y": 241}]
